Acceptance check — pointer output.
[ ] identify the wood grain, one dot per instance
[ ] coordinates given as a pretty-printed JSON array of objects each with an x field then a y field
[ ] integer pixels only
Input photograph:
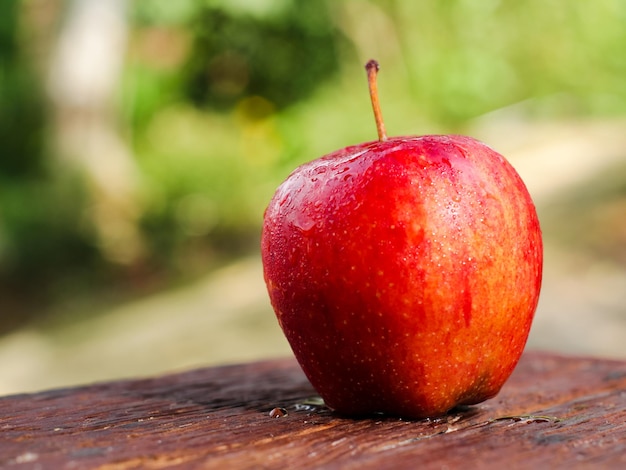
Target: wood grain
[{"x": 554, "y": 412}]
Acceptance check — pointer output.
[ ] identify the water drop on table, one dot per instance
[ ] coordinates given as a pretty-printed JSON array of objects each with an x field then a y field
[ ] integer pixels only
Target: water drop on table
[{"x": 278, "y": 413}]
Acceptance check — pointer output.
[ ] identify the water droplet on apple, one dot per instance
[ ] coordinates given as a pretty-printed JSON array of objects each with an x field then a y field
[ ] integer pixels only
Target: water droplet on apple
[
  {"x": 284, "y": 200},
  {"x": 303, "y": 222}
]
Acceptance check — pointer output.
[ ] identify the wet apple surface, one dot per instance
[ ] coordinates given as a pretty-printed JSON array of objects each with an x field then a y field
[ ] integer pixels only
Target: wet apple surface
[{"x": 405, "y": 273}]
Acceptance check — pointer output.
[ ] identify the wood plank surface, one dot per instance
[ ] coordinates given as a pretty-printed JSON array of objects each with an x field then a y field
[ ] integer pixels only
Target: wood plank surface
[{"x": 554, "y": 412}]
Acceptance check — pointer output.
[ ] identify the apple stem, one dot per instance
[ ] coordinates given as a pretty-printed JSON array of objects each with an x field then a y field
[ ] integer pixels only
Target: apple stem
[{"x": 372, "y": 70}]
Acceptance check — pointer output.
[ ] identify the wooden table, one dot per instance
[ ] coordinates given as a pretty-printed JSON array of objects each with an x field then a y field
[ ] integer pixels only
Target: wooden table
[{"x": 554, "y": 412}]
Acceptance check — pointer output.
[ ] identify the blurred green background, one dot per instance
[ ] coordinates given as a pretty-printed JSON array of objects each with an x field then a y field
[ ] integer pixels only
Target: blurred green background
[{"x": 141, "y": 141}]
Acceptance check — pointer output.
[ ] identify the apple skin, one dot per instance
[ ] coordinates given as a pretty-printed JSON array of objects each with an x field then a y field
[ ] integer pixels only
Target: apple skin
[{"x": 404, "y": 273}]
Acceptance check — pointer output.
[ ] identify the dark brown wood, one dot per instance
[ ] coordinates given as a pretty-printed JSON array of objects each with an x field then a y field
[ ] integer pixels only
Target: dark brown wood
[{"x": 554, "y": 412}]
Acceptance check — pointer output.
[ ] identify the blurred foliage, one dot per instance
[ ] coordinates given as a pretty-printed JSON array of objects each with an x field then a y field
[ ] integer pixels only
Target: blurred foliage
[
  {"x": 22, "y": 115},
  {"x": 220, "y": 99},
  {"x": 467, "y": 58},
  {"x": 275, "y": 55},
  {"x": 37, "y": 230}
]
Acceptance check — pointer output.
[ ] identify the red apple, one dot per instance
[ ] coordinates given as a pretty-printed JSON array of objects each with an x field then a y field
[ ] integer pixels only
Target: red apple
[{"x": 404, "y": 272}]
